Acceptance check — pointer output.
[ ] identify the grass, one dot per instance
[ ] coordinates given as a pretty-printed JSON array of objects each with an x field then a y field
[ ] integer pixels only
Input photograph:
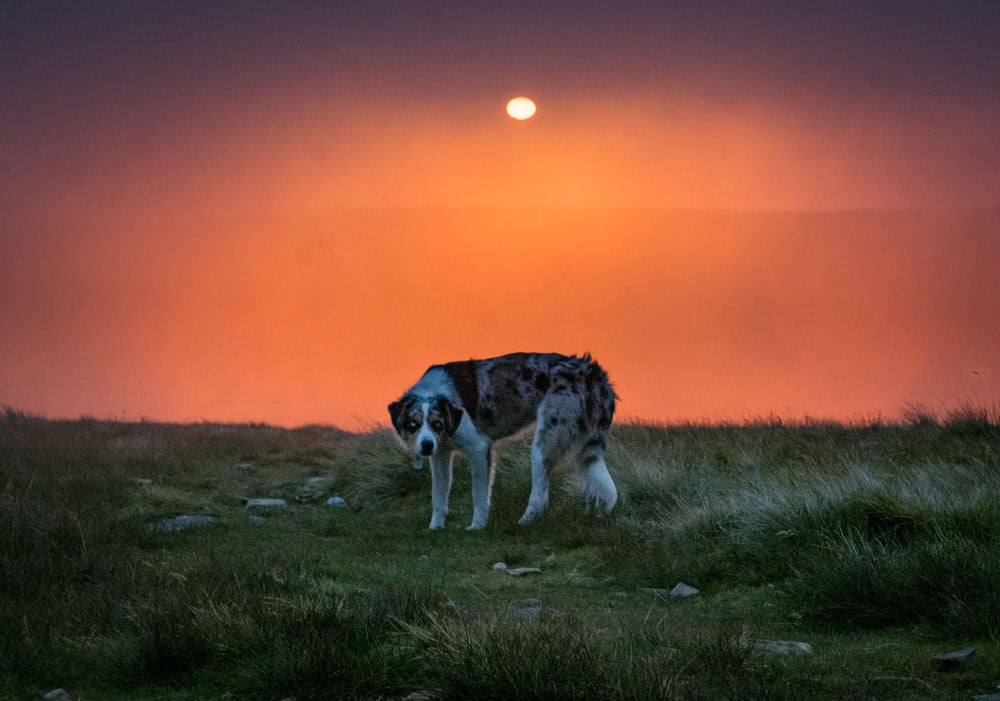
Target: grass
[{"x": 876, "y": 543}]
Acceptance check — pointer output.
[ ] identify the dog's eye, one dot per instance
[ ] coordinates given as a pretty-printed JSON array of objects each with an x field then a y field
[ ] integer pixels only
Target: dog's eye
[
  {"x": 437, "y": 425},
  {"x": 413, "y": 425}
]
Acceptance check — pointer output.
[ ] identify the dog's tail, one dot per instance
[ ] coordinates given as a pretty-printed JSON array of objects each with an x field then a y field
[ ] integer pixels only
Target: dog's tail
[{"x": 600, "y": 395}]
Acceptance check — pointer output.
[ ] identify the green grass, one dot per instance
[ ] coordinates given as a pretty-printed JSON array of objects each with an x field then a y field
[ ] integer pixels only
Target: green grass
[{"x": 877, "y": 543}]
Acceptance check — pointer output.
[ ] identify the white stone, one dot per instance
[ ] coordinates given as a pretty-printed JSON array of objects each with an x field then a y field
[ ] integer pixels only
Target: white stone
[
  {"x": 682, "y": 590},
  {"x": 782, "y": 647},
  {"x": 266, "y": 504}
]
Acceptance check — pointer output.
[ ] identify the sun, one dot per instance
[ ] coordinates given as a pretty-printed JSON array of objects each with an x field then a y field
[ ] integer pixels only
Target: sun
[{"x": 521, "y": 108}]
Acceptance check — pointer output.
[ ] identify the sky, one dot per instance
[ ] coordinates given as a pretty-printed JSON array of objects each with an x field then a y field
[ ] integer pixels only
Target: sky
[{"x": 284, "y": 212}]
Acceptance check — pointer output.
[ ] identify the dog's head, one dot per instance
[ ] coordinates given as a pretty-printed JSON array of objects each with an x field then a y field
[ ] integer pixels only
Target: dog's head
[{"x": 423, "y": 424}]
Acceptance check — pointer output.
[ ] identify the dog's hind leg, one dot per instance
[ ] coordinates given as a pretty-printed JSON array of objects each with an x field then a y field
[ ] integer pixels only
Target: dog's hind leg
[
  {"x": 440, "y": 488},
  {"x": 549, "y": 445},
  {"x": 539, "y": 498},
  {"x": 481, "y": 465},
  {"x": 599, "y": 491}
]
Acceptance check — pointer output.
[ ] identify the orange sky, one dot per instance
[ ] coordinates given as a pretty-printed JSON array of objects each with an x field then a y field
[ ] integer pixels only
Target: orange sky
[
  {"x": 325, "y": 318},
  {"x": 233, "y": 212}
]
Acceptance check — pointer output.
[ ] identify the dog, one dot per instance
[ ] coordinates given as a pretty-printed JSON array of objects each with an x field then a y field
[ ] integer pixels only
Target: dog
[{"x": 469, "y": 405}]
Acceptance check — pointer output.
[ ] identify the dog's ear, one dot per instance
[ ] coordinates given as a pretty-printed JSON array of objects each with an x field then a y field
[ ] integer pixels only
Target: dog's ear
[
  {"x": 396, "y": 411},
  {"x": 452, "y": 415}
]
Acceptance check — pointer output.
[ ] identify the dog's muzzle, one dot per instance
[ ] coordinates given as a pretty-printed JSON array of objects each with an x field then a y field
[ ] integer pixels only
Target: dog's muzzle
[{"x": 427, "y": 448}]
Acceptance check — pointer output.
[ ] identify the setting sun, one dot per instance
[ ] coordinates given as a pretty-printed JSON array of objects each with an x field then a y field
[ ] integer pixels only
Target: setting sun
[{"x": 521, "y": 108}]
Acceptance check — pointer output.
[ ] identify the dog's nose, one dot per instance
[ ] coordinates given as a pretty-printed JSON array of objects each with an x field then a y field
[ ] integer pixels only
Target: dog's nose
[{"x": 427, "y": 447}]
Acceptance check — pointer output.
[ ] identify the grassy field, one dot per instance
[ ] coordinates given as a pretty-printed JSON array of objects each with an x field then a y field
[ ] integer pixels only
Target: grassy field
[{"x": 876, "y": 544}]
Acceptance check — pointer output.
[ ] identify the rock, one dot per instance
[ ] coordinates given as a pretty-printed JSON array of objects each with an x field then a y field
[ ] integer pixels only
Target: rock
[
  {"x": 680, "y": 591},
  {"x": 305, "y": 495},
  {"x": 531, "y": 614},
  {"x": 336, "y": 501},
  {"x": 57, "y": 695},
  {"x": 243, "y": 469},
  {"x": 683, "y": 590},
  {"x": 949, "y": 661},
  {"x": 143, "y": 482},
  {"x": 418, "y": 696},
  {"x": 266, "y": 504},
  {"x": 515, "y": 571},
  {"x": 312, "y": 490},
  {"x": 175, "y": 524},
  {"x": 782, "y": 647}
]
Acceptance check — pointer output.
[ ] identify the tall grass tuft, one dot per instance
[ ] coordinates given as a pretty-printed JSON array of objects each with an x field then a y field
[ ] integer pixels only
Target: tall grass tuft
[
  {"x": 499, "y": 658},
  {"x": 946, "y": 584}
]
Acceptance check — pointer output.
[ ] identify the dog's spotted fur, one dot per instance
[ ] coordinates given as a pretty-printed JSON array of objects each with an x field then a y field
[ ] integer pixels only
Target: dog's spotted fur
[{"x": 469, "y": 405}]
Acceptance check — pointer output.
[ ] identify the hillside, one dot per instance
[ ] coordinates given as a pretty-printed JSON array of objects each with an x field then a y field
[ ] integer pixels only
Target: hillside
[{"x": 877, "y": 545}]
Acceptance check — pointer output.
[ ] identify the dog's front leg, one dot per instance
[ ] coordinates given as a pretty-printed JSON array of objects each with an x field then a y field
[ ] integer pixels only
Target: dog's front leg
[
  {"x": 440, "y": 488},
  {"x": 481, "y": 464}
]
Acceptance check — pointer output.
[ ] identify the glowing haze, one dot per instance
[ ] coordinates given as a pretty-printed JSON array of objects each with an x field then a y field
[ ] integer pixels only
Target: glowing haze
[{"x": 253, "y": 212}]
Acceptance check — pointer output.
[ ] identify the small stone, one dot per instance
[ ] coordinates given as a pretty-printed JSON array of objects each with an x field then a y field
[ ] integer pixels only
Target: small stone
[
  {"x": 520, "y": 571},
  {"x": 175, "y": 524},
  {"x": 336, "y": 501},
  {"x": 418, "y": 696},
  {"x": 312, "y": 490},
  {"x": 57, "y": 695},
  {"x": 532, "y": 603},
  {"x": 949, "y": 661},
  {"x": 782, "y": 647},
  {"x": 143, "y": 482},
  {"x": 531, "y": 614},
  {"x": 266, "y": 504},
  {"x": 987, "y": 697},
  {"x": 243, "y": 469},
  {"x": 682, "y": 590},
  {"x": 499, "y": 565}
]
